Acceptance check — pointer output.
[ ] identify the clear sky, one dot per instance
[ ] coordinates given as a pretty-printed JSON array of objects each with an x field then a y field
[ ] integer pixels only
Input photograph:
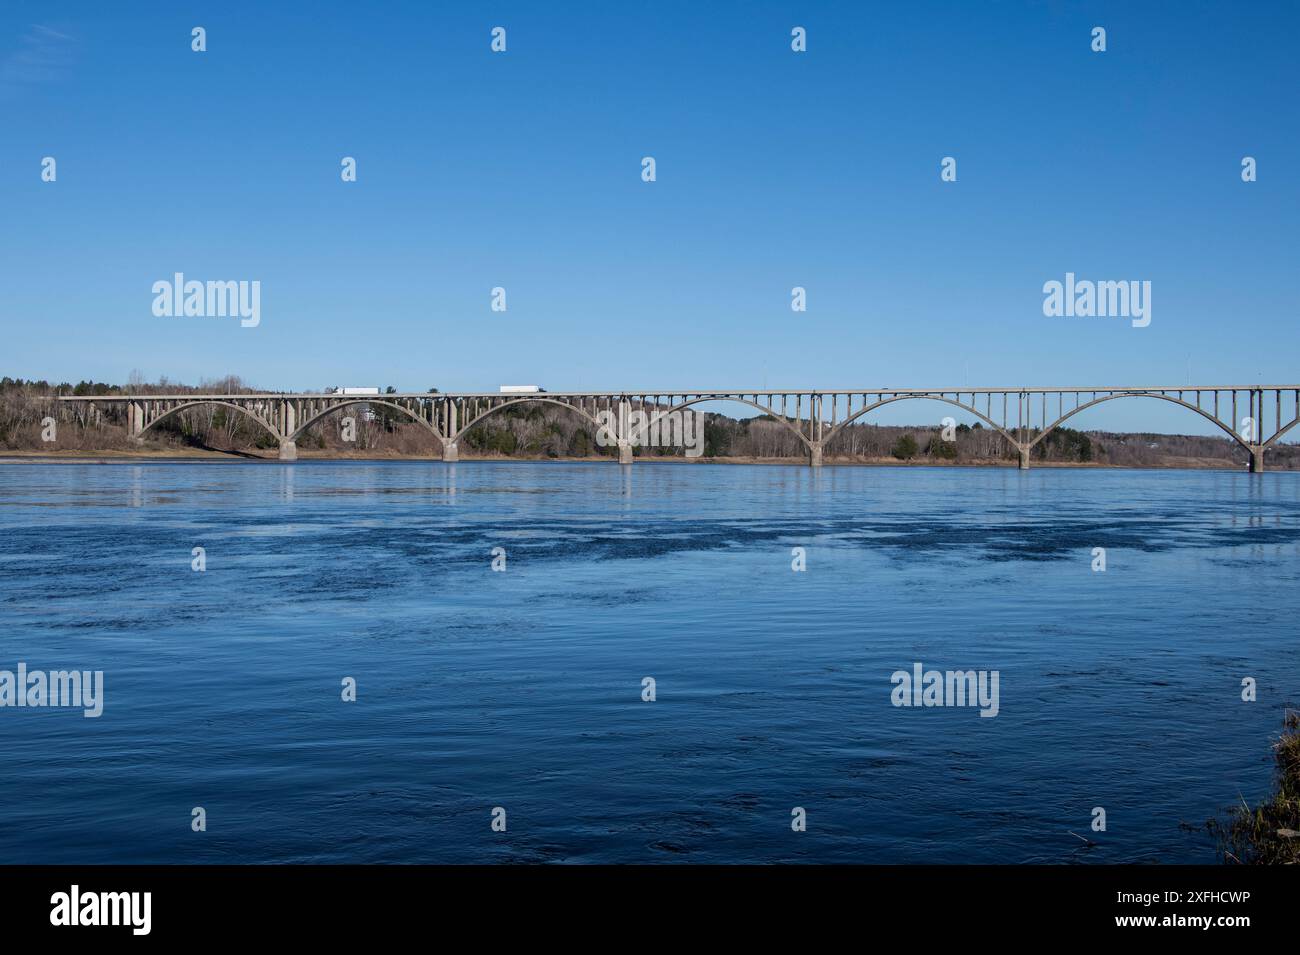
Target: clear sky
[{"x": 775, "y": 169}]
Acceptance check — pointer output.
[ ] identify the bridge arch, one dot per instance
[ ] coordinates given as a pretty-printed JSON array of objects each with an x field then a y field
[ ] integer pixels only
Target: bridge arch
[
  {"x": 266, "y": 425},
  {"x": 1151, "y": 394},
  {"x": 524, "y": 399},
  {"x": 325, "y": 412},
  {"x": 889, "y": 401},
  {"x": 1281, "y": 431},
  {"x": 780, "y": 418}
]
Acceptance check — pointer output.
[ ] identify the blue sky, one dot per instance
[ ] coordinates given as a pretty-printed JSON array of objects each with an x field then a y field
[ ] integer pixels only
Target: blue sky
[{"x": 775, "y": 169}]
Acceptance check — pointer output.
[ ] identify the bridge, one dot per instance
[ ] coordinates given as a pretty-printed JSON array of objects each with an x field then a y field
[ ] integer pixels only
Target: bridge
[{"x": 1024, "y": 416}]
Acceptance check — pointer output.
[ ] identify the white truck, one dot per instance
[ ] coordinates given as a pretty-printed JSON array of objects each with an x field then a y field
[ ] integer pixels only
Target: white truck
[
  {"x": 522, "y": 390},
  {"x": 352, "y": 391}
]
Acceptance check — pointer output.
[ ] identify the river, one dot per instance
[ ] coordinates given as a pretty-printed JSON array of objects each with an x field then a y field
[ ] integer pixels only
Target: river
[{"x": 523, "y": 689}]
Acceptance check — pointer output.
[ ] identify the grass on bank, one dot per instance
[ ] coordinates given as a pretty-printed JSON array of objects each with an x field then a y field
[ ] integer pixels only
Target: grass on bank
[{"x": 1269, "y": 834}]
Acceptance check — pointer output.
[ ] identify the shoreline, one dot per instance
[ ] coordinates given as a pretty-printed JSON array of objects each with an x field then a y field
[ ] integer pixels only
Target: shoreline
[{"x": 235, "y": 457}]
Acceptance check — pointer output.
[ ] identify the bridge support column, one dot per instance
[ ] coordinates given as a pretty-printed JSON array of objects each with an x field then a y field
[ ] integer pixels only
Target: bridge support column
[
  {"x": 624, "y": 431},
  {"x": 288, "y": 450},
  {"x": 134, "y": 422},
  {"x": 815, "y": 455},
  {"x": 1256, "y": 459},
  {"x": 1024, "y": 459},
  {"x": 450, "y": 453}
]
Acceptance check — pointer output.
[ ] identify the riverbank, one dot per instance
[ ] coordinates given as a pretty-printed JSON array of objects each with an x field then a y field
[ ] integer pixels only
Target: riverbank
[
  {"x": 181, "y": 455},
  {"x": 1269, "y": 834}
]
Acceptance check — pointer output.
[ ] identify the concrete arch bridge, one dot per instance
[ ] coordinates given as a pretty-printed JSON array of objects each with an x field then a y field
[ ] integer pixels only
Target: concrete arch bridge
[{"x": 1254, "y": 416}]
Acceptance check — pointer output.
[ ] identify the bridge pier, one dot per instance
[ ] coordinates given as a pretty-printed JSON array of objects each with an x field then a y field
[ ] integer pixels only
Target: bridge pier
[
  {"x": 1024, "y": 459},
  {"x": 624, "y": 451},
  {"x": 288, "y": 450},
  {"x": 1256, "y": 459},
  {"x": 450, "y": 452},
  {"x": 815, "y": 455}
]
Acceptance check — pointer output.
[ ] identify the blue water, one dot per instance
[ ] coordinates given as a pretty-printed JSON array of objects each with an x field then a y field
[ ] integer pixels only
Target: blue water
[{"x": 522, "y": 689}]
